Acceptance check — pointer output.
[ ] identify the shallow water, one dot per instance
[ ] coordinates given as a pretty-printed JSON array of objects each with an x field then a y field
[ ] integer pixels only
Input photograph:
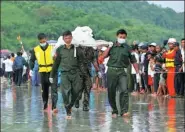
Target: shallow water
[{"x": 21, "y": 111}]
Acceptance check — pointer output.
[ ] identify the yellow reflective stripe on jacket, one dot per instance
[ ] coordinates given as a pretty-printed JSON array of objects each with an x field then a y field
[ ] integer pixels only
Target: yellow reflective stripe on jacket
[
  {"x": 44, "y": 58},
  {"x": 170, "y": 62}
]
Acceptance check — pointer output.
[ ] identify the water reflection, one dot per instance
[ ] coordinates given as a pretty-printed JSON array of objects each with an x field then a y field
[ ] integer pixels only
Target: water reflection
[{"x": 22, "y": 110}]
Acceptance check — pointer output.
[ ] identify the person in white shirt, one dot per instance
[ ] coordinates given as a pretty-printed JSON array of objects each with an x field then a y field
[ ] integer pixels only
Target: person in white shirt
[
  {"x": 183, "y": 67},
  {"x": 8, "y": 67},
  {"x": 135, "y": 52}
]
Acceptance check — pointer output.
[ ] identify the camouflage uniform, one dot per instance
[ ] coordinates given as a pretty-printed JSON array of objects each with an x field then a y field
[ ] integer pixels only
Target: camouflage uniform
[{"x": 86, "y": 56}]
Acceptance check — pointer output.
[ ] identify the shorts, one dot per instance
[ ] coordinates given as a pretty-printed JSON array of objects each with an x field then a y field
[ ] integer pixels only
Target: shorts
[{"x": 150, "y": 80}]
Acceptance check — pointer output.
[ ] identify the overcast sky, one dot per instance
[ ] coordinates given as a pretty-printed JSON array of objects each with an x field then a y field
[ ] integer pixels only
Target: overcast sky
[{"x": 178, "y": 6}]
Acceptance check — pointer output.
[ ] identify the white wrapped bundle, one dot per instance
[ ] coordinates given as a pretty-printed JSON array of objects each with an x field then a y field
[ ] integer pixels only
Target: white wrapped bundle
[{"x": 81, "y": 36}]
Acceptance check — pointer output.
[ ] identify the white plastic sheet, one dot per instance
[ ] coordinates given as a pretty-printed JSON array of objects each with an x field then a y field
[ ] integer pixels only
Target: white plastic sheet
[{"x": 81, "y": 36}]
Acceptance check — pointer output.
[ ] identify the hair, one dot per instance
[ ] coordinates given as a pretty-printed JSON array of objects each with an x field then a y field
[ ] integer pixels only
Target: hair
[
  {"x": 41, "y": 36},
  {"x": 8, "y": 57},
  {"x": 12, "y": 54},
  {"x": 182, "y": 39},
  {"x": 67, "y": 33},
  {"x": 121, "y": 31},
  {"x": 158, "y": 45},
  {"x": 135, "y": 47},
  {"x": 165, "y": 42},
  {"x": 18, "y": 53}
]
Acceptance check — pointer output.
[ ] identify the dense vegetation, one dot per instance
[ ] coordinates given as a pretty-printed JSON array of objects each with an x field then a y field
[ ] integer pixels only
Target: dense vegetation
[{"x": 142, "y": 21}]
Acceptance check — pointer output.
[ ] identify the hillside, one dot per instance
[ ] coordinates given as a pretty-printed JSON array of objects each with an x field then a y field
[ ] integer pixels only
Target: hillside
[
  {"x": 30, "y": 18},
  {"x": 124, "y": 10}
]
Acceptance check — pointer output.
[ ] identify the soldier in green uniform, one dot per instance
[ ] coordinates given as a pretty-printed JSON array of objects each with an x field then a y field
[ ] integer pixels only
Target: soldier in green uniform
[
  {"x": 86, "y": 56},
  {"x": 71, "y": 78},
  {"x": 119, "y": 59}
]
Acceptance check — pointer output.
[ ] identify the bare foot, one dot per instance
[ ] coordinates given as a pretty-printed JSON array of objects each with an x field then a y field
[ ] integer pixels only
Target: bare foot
[
  {"x": 114, "y": 115},
  {"x": 46, "y": 110},
  {"x": 134, "y": 93},
  {"x": 126, "y": 114},
  {"x": 68, "y": 117},
  {"x": 55, "y": 111}
]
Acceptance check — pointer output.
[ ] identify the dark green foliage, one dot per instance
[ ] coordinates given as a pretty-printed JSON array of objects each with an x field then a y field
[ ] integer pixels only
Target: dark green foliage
[{"x": 142, "y": 21}]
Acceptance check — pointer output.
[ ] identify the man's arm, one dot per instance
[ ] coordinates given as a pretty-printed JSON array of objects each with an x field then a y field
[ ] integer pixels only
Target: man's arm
[
  {"x": 56, "y": 64},
  {"x": 104, "y": 55},
  {"x": 32, "y": 60},
  {"x": 134, "y": 62}
]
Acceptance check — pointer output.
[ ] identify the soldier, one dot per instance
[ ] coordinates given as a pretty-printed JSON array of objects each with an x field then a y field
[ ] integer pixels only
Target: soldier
[
  {"x": 86, "y": 56},
  {"x": 70, "y": 72},
  {"x": 42, "y": 53},
  {"x": 120, "y": 58}
]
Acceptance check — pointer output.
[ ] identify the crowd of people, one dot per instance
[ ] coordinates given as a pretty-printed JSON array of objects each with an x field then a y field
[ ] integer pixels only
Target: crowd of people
[
  {"x": 162, "y": 70},
  {"x": 155, "y": 69}
]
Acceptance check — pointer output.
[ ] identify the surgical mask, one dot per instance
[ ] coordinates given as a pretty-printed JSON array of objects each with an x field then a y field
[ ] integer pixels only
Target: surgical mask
[
  {"x": 43, "y": 44},
  {"x": 121, "y": 41}
]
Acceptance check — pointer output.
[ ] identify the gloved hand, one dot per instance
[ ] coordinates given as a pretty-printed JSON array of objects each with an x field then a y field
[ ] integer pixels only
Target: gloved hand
[
  {"x": 99, "y": 75},
  {"x": 51, "y": 80},
  {"x": 138, "y": 78},
  {"x": 110, "y": 44},
  {"x": 31, "y": 73}
]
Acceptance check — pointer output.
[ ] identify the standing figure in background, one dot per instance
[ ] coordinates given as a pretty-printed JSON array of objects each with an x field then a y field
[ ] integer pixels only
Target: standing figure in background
[
  {"x": 182, "y": 90},
  {"x": 102, "y": 80},
  {"x": 13, "y": 59},
  {"x": 35, "y": 77},
  {"x": 8, "y": 68},
  {"x": 135, "y": 52},
  {"x": 18, "y": 65},
  {"x": 178, "y": 71},
  {"x": 170, "y": 66}
]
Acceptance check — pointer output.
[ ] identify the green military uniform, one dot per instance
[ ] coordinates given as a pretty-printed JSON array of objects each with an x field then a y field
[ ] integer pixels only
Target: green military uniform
[
  {"x": 71, "y": 78},
  {"x": 119, "y": 60},
  {"x": 86, "y": 56}
]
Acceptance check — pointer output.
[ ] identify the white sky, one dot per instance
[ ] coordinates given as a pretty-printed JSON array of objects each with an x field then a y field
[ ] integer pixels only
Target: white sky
[{"x": 178, "y": 6}]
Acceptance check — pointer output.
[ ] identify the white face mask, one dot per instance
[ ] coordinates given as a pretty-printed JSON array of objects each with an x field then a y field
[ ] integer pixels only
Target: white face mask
[
  {"x": 121, "y": 41},
  {"x": 43, "y": 44}
]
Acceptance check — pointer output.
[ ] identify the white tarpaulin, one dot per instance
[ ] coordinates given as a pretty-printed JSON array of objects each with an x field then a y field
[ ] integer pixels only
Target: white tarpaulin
[{"x": 81, "y": 36}]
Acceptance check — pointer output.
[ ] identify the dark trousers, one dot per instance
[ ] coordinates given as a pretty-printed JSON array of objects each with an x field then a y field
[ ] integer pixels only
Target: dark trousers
[
  {"x": 182, "y": 91},
  {"x": 54, "y": 91},
  {"x": 13, "y": 74},
  {"x": 86, "y": 89},
  {"x": 44, "y": 77},
  {"x": 136, "y": 85},
  {"x": 71, "y": 85},
  {"x": 145, "y": 79},
  {"x": 156, "y": 81},
  {"x": 18, "y": 76},
  {"x": 117, "y": 79},
  {"x": 177, "y": 80}
]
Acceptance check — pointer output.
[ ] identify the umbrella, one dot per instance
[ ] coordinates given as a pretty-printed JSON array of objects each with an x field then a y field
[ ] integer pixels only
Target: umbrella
[
  {"x": 52, "y": 42},
  {"x": 4, "y": 52}
]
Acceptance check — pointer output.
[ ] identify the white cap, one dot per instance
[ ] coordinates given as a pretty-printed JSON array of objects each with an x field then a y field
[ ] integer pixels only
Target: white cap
[
  {"x": 103, "y": 48},
  {"x": 152, "y": 44},
  {"x": 172, "y": 40},
  {"x": 141, "y": 44}
]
